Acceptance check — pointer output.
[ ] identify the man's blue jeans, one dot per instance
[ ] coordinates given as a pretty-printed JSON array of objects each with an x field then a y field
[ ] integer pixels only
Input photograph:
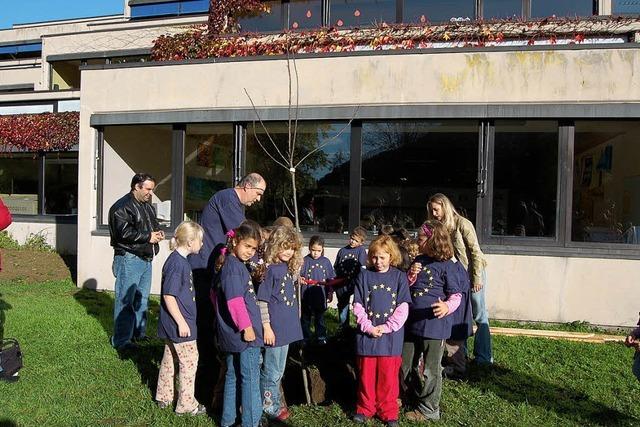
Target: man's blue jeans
[
  {"x": 482, "y": 342},
  {"x": 273, "y": 364},
  {"x": 133, "y": 284},
  {"x": 242, "y": 379},
  {"x": 344, "y": 301}
]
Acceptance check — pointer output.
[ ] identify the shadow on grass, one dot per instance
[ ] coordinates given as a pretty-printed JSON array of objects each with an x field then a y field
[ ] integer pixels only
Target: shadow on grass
[
  {"x": 4, "y": 306},
  {"x": 5, "y": 422},
  {"x": 146, "y": 356},
  {"x": 566, "y": 402}
]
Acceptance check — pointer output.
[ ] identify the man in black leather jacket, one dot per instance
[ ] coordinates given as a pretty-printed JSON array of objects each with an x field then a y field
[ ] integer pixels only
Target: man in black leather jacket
[{"x": 135, "y": 234}]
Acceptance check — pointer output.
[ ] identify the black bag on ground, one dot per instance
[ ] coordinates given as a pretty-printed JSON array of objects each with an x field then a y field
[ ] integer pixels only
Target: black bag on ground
[{"x": 10, "y": 359}]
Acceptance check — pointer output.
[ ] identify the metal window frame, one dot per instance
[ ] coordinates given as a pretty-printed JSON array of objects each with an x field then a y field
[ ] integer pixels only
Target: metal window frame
[{"x": 560, "y": 245}]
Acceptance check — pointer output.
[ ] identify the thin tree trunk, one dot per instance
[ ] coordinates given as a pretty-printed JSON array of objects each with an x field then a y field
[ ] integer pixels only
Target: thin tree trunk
[{"x": 295, "y": 198}]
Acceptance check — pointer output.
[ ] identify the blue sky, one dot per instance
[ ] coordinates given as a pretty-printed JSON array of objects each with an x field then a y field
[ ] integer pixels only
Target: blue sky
[{"x": 24, "y": 11}]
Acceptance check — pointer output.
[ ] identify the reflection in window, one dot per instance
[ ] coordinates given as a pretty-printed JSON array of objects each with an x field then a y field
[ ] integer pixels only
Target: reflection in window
[
  {"x": 132, "y": 149},
  {"x": 501, "y": 9},
  {"x": 271, "y": 21},
  {"x": 322, "y": 180},
  {"x": 403, "y": 163},
  {"x": 435, "y": 11},
  {"x": 525, "y": 178},
  {"x": 208, "y": 165},
  {"x": 362, "y": 13},
  {"x": 565, "y": 8},
  {"x": 625, "y": 7},
  {"x": 606, "y": 182},
  {"x": 61, "y": 184},
  {"x": 19, "y": 182},
  {"x": 304, "y": 14}
]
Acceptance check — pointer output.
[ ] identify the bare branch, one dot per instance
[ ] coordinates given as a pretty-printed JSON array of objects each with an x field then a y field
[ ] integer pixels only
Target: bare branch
[
  {"x": 284, "y": 201},
  {"x": 330, "y": 140},
  {"x": 255, "y": 110},
  {"x": 264, "y": 149},
  {"x": 289, "y": 140},
  {"x": 295, "y": 123}
]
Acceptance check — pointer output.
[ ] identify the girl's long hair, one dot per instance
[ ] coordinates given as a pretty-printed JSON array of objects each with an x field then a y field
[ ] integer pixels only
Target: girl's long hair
[
  {"x": 246, "y": 230},
  {"x": 450, "y": 212},
  {"x": 186, "y": 232},
  {"x": 282, "y": 239},
  {"x": 438, "y": 244}
]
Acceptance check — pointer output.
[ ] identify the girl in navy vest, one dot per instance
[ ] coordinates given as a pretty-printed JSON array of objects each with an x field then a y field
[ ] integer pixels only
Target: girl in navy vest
[
  {"x": 238, "y": 327},
  {"x": 436, "y": 291},
  {"x": 380, "y": 305},
  {"x": 316, "y": 270},
  {"x": 177, "y": 323},
  {"x": 279, "y": 308}
]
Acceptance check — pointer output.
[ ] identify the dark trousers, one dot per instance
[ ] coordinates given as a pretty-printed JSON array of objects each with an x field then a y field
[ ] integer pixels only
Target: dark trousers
[{"x": 423, "y": 388}]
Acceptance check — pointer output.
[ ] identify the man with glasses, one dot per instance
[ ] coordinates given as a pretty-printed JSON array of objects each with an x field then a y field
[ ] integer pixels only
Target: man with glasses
[{"x": 135, "y": 234}]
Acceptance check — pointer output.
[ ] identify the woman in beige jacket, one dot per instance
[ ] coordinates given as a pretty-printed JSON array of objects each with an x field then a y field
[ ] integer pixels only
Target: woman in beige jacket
[{"x": 468, "y": 252}]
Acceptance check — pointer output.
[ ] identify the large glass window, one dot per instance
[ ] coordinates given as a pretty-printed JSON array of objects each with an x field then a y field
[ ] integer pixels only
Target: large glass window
[
  {"x": 436, "y": 11},
  {"x": 304, "y": 14},
  {"x": 19, "y": 182},
  {"x": 525, "y": 178},
  {"x": 560, "y": 9},
  {"x": 362, "y": 13},
  {"x": 606, "y": 182},
  {"x": 501, "y": 9},
  {"x": 625, "y": 7},
  {"x": 403, "y": 163},
  {"x": 61, "y": 184},
  {"x": 132, "y": 149},
  {"x": 208, "y": 165},
  {"x": 270, "y": 21},
  {"x": 322, "y": 180}
]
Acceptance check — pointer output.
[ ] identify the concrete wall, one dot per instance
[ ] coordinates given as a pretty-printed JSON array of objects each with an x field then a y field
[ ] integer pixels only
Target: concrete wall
[
  {"x": 62, "y": 237},
  {"x": 523, "y": 287}
]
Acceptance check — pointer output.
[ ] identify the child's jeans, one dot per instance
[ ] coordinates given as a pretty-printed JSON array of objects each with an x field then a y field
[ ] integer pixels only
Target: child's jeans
[
  {"x": 318, "y": 315},
  {"x": 378, "y": 386},
  {"x": 185, "y": 355},
  {"x": 273, "y": 365},
  {"x": 343, "y": 309},
  {"x": 243, "y": 371}
]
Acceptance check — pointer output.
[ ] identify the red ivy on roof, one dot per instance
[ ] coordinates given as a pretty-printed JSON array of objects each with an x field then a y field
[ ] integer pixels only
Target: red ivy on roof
[
  {"x": 200, "y": 42},
  {"x": 40, "y": 132}
]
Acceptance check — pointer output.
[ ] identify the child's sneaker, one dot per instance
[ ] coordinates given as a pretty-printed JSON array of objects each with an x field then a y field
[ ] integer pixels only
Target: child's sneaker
[
  {"x": 359, "y": 418},
  {"x": 198, "y": 410},
  {"x": 162, "y": 405},
  {"x": 284, "y": 414},
  {"x": 392, "y": 423}
]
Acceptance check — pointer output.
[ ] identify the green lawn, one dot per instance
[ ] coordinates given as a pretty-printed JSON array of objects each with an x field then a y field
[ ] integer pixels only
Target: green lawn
[{"x": 73, "y": 377}]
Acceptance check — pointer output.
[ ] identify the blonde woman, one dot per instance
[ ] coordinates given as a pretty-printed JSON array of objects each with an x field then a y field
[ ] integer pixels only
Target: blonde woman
[{"x": 468, "y": 252}]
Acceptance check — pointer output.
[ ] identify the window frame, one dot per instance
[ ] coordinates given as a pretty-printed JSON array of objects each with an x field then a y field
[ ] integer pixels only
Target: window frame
[{"x": 560, "y": 245}]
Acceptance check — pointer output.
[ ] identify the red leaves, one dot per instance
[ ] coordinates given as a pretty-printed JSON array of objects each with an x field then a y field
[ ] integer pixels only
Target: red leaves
[
  {"x": 579, "y": 38},
  {"x": 224, "y": 14},
  {"x": 40, "y": 132}
]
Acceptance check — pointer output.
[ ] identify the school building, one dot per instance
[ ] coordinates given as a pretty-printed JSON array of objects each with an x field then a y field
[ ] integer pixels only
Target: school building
[{"x": 535, "y": 139}]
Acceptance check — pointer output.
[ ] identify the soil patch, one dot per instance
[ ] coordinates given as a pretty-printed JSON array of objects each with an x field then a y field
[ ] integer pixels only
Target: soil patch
[{"x": 36, "y": 266}]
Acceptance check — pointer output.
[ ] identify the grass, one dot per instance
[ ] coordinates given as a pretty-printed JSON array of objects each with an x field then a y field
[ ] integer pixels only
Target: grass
[{"x": 73, "y": 377}]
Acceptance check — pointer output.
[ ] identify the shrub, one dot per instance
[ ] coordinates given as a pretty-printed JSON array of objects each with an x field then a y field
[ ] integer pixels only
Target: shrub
[
  {"x": 8, "y": 242},
  {"x": 38, "y": 242}
]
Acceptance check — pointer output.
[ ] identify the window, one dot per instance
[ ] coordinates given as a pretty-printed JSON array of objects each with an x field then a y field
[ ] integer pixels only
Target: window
[
  {"x": 606, "y": 182},
  {"x": 403, "y": 163},
  {"x": 304, "y": 14},
  {"x": 362, "y": 13},
  {"x": 560, "y": 9},
  {"x": 501, "y": 9},
  {"x": 322, "y": 180},
  {"x": 160, "y": 8},
  {"x": 625, "y": 7},
  {"x": 131, "y": 149},
  {"x": 271, "y": 21},
  {"x": 19, "y": 182},
  {"x": 61, "y": 184},
  {"x": 208, "y": 165},
  {"x": 525, "y": 178},
  {"x": 435, "y": 11}
]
